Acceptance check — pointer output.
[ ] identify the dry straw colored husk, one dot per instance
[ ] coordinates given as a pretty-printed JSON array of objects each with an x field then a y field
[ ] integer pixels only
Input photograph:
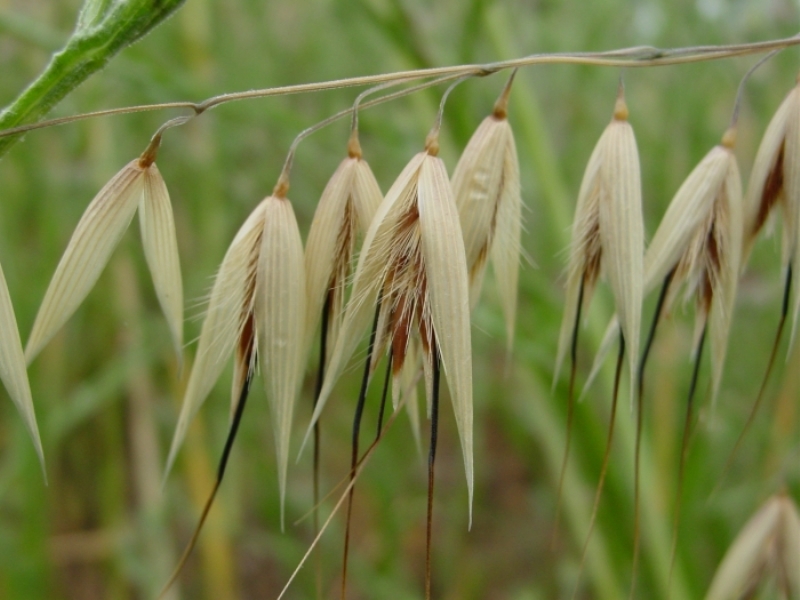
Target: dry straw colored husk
[
  {"x": 608, "y": 237},
  {"x": 699, "y": 237},
  {"x": 775, "y": 183},
  {"x": 13, "y": 369},
  {"x": 257, "y": 305},
  {"x": 766, "y": 550},
  {"x": 413, "y": 257},
  {"x": 345, "y": 209},
  {"x": 486, "y": 188},
  {"x": 138, "y": 185}
]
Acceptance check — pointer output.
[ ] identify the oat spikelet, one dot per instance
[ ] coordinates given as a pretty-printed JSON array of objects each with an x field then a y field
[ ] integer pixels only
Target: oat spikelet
[
  {"x": 280, "y": 318},
  {"x": 487, "y": 191},
  {"x": 608, "y": 236},
  {"x": 766, "y": 550},
  {"x": 257, "y": 306},
  {"x": 345, "y": 209},
  {"x": 775, "y": 183},
  {"x": 228, "y": 323},
  {"x": 12, "y": 369},
  {"x": 138, "y": 184},
  {"x": 413, "y": 259},
  {"x": 97, "y": 234},
  {"x": 699, "y": 238},
  {"x": 161, "y": 252}
]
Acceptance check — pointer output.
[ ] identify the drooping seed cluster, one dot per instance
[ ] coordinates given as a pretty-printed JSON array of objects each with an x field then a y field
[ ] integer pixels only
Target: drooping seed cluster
[{"x": 426, "y": 246}]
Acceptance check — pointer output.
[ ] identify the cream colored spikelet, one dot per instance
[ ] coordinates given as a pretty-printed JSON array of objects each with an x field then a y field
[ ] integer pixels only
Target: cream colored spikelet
[
  {"x": 775, "y": 183},
  {"x": 257, "y": 305},
  {"x": 486, "y": 188},
  {"x": 608, "y": 236},
  {"x": 138, "y": 185},
  {"x": 280, "y": 322},
  {"x": 413, "y": 260},
  {"x": 345, "y": 209},
  {"x": 699, "y": 240},
  {"x": 161, "y": 252},
  {"x": 768, "y": 547},
  {"x": 228, "y": 321},
  {"x": 13, "y": 371}
]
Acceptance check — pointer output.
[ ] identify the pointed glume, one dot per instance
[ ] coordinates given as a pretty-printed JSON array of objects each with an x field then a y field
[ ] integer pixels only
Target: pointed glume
[
  {"x": 431, "y": 463},
  {"x": 573, "y": 354},
  {"x": 223, "y": 463},
  {"x": 606, "y": 456},
  {"x": 362, "y": 396},
  {"x": 687, "y": 424},
  {"x": 759, "y": 398},
  {"x": 639, "y": 421}
]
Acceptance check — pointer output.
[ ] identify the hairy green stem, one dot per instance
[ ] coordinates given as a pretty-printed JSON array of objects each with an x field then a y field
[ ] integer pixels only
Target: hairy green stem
[{"x": 103, "y": 29}]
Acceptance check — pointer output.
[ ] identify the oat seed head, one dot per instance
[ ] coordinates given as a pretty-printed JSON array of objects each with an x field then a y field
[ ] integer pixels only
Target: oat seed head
[
  {"x": 280, "y": 317},
  {"x": 767, "y": 547},
  {"x": 487, "y": 192},
  {"x": 448, "y": 290},
  {"x": 345, "y": 209},
  {"x": 230, "y": 309},
  {"x": 13, "y": 370},
  {"x": 413, "y": 257},
  {"x": 161, "y": 252},
  {"x": 608, "y": 234},
  {"x": 622, "y": 231},
  {"x": 700, "y": 238},
  {"x": 775, "y": 182},
  {"x": 370, "y": 274},
  {"x": 97, "y": 234}
]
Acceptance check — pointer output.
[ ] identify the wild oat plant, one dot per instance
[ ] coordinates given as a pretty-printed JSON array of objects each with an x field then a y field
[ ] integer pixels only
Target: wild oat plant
[{"x": 391, "y": 282}]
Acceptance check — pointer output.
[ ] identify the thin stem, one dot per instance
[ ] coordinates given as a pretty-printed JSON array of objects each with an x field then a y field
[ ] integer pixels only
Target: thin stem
[
  {"x": 637, "y": 454},
  {"x": 362, "y": 396},
  {"x": 237, "y": 418},
  {"x": 759, "y": 398},
  {"x": 385, "y": 392},
  {"x": 687, "y": 424},
  {"x": 283, "y": 180},
  {"x": 740, "y": 91},
  {"x": 637, "y": 56},
  {"x": 606, "y": 456},
  {"x": 432, "y": 142},
  {"x": 148, "y": 157},
  {"x": 431, "y": 464},
  {"x": 323, "y": 357},
  {"x": 573, "y": 353},
  {"x": 357, "y": 103}
]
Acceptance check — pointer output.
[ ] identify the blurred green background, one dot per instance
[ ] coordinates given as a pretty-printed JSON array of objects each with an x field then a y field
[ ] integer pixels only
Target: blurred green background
[{"x": 107, "y": 389}]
